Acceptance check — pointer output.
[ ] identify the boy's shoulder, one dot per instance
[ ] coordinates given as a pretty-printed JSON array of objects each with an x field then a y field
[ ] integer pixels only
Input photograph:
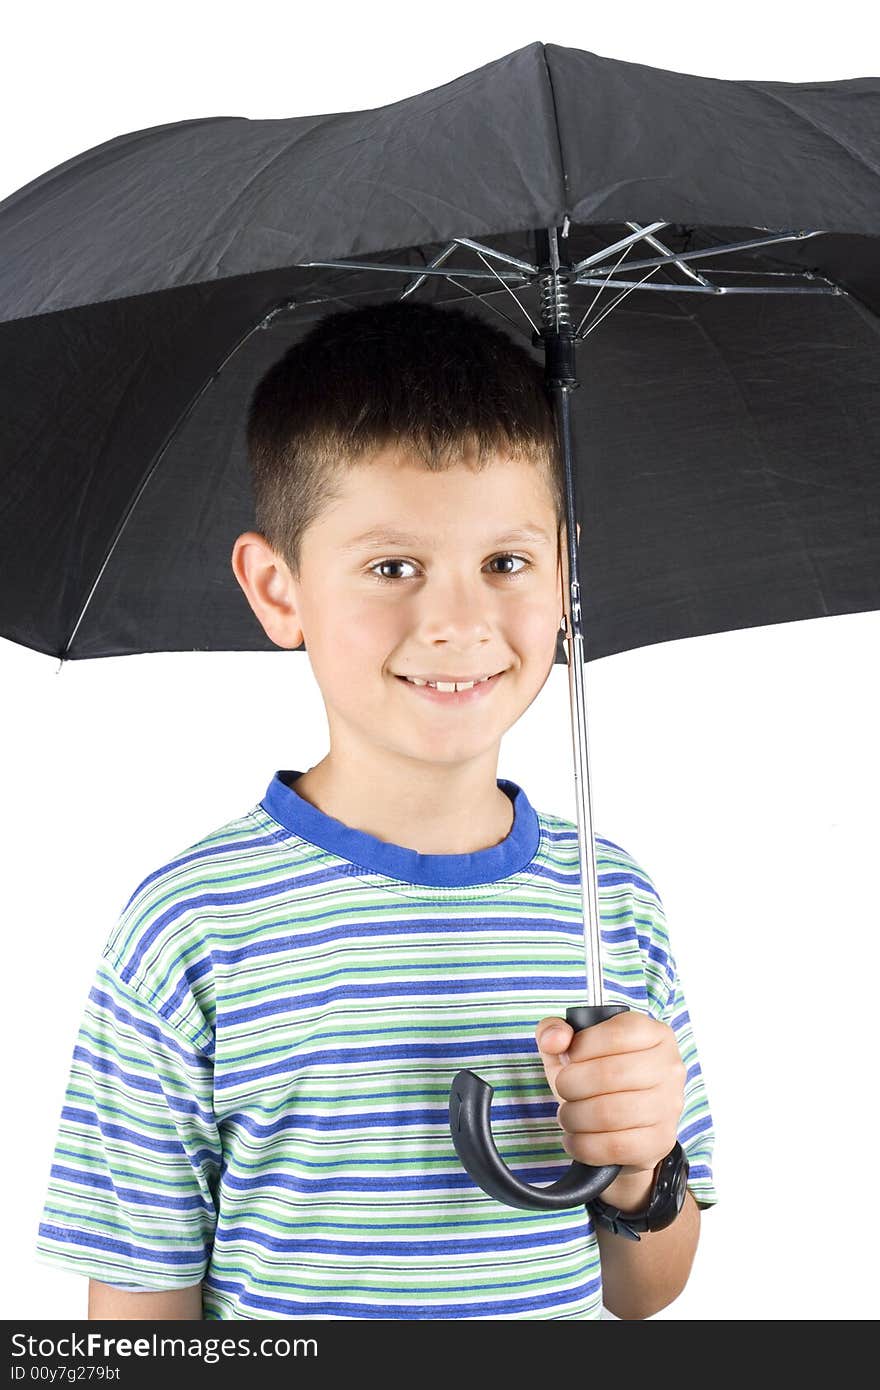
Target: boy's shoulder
[
  {"x": 614, "y": 863},
  {"x": 162, "y": 941},
  {"x": 636, "y": 948}
]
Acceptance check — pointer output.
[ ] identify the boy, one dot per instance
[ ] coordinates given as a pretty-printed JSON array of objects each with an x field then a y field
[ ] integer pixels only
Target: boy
[{"x": 256, "y": 1124}]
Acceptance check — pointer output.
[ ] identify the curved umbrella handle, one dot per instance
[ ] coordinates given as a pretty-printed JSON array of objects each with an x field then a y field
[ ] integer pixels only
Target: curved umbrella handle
[{"x": 469, "y": 1101}]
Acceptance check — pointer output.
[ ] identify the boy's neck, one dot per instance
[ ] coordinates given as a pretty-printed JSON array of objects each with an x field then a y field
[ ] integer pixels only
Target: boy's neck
[{"x": 434, "y": 810}]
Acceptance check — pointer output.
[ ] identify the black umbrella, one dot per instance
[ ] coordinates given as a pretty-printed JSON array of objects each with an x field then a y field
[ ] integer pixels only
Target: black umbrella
[{"x": 727, "y": 425}]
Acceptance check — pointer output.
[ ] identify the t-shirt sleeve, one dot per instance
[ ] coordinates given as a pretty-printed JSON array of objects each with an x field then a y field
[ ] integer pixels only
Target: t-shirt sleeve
[
  {"x": 666, "y": 1001},
  {"x": 132, "y": 1193}
]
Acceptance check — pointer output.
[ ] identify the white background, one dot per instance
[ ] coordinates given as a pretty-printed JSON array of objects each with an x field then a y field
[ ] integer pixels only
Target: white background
[{"x": 740, "y": 769}]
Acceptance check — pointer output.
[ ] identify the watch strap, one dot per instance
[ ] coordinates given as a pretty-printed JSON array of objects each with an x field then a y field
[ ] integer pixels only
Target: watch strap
[{"x": 665, "y": 1201}]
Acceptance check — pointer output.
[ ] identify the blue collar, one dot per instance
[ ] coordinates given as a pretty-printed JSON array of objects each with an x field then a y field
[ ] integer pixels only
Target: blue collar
[{"x": 394, "y": 861}]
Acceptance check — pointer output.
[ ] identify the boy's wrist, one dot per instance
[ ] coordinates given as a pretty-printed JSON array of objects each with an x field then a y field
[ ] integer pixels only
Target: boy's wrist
[{"x": 630, "y": 1191}]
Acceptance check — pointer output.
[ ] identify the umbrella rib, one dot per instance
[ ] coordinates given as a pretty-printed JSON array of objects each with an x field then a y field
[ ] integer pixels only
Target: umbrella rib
[
  {"x": 615, "y": 302},
  {"x": 484, "y": 299},
  {"x": 658, "y": 246},
  {"x": 520, "y": 306},
  {"x": 407, "y": 269},
  {"x": 181, "y": 419},
  {"x": 776, "y": 274},
  {"x": 499, "y": 255},
  {"x": 438, "y": 260},
  {"x": 721, "y": 289},
  {"x": 625, "y": 242},
  {"x": 645, "y": 234},
  {"x": 715, "y": 250},
  {"x": 598, "y": 292}
]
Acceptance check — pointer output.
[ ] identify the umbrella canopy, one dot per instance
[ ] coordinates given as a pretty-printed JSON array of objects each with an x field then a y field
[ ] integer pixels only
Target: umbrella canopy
[{"x": 726, "y": 431}]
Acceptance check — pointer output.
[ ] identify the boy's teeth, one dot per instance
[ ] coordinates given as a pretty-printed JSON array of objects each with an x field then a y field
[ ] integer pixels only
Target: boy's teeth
[{"x": 445, "y": 685}]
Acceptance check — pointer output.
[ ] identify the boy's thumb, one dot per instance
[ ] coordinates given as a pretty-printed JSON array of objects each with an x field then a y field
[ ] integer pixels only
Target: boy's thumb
[{"x": 553, "y": 1036}]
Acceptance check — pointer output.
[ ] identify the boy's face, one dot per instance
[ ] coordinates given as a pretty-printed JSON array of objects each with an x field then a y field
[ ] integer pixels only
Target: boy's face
[{"x": 456, "y": 593}]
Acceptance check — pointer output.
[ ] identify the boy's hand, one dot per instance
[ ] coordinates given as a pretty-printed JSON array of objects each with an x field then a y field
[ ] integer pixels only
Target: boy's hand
[{"x": 620, "y": 1085}]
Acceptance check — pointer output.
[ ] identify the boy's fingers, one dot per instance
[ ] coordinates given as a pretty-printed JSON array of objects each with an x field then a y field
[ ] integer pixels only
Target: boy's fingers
[
  {"x": 553, "y": 1036},
  {"x": 628, "y": 1032}
]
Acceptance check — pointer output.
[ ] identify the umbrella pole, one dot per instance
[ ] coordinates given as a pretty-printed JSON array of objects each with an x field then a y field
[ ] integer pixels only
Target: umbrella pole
[{"x": 560, "y": 374}]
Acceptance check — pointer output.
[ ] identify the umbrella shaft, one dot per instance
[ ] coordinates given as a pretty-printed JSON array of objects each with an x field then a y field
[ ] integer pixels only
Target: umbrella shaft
[
  {"x": 576, "y": 663},
  {"x": 586, "y": 847}
]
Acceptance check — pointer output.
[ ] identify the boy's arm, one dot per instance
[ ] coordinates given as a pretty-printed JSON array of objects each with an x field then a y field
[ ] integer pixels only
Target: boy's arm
[
  {"x": 164, "y": 1306},
  {"x": 641, "y": 1277}
]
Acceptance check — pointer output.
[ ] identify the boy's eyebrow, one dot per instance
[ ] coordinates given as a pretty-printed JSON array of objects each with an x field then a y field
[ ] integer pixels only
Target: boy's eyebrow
[{"x": 385, "y": 535}]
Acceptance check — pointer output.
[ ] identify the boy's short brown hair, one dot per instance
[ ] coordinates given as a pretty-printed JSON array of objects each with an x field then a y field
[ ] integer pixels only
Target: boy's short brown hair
[{"x": 439, "y": 381}]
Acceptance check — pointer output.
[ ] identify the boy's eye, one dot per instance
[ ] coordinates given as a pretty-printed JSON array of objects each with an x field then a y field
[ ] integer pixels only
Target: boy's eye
[{"x": 390, "y": 578}]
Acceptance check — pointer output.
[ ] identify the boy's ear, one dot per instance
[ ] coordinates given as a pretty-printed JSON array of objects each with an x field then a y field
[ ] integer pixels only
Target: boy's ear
[{"x": 268, "y": 587}]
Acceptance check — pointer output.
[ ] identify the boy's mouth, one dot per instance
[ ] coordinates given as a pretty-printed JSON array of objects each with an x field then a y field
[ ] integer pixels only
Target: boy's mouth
[{"x": 441, "y": 692}]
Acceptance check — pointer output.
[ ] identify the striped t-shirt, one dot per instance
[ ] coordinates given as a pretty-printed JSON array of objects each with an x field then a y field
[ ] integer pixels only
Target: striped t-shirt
[{"x": 259, "y": 1091}]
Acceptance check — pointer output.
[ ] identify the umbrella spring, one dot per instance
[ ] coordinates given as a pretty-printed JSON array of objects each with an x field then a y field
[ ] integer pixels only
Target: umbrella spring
[{"x": 555, "y": 310}]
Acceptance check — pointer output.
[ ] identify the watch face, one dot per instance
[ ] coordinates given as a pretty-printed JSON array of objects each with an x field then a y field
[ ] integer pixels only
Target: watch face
[
  {"x": 680, "y": 1188},
  {"x": 670, "y": 1190}
]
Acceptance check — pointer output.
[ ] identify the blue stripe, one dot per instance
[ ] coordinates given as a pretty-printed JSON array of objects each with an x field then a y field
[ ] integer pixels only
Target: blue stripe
[
  {"x": 399, "y": 1182},
  {"x": 243, "y": 846},
  {"x": 425, "y": 925},
  {"x": 458, "y": 1053},
  {"x": 379, "y": 1119},
  {"x": 129, "y": 1194},
  {"x": 180, "y": 1104},
  {"x": 147, "y": 1030},
  {"x": 400, "y": 1249},
  {"x": 335, "y": 1308},
  {"x": 105, "y": 1067},
  {"x": 699, "y": 1126},
  {"x": 405, "y": 988},
  {"x": 137, "y": 1138},
  {"x": 539, "y": 1109}
]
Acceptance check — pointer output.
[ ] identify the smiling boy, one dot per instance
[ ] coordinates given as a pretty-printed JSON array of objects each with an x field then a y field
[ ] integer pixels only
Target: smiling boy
[{"x": 256, "y": 1122}]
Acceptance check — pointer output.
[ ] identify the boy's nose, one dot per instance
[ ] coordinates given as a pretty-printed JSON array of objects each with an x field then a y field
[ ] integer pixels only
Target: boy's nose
[{"x": 455, "y": 607}]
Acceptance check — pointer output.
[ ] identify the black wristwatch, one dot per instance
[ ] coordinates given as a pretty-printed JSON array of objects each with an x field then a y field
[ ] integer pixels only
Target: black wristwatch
[{"x": 666, "y": 1200}]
